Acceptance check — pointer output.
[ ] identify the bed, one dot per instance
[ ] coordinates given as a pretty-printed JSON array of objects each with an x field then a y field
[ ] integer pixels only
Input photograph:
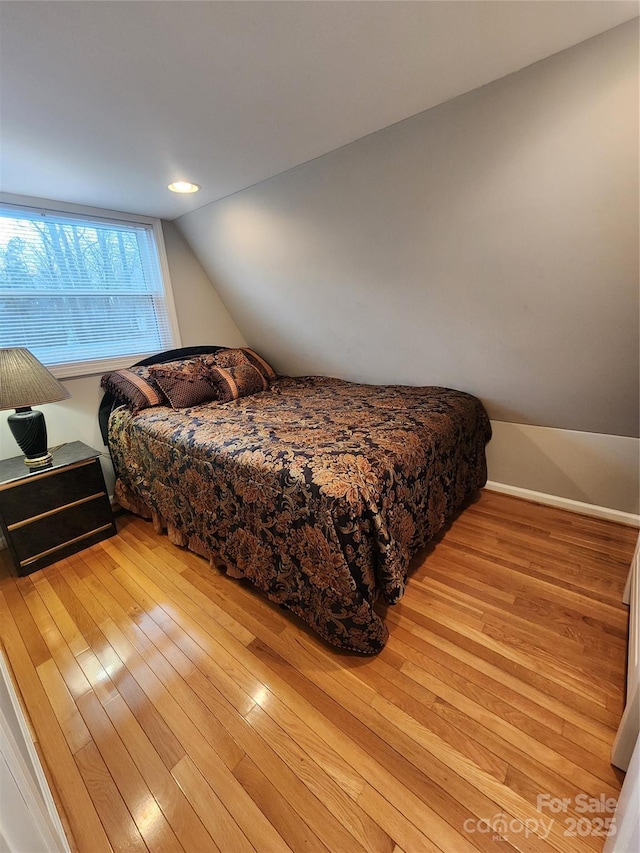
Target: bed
[{"x": 317, "y": 490}]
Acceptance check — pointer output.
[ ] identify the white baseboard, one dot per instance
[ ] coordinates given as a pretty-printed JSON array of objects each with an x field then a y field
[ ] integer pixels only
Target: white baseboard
[
  {"x": 603, "y": 512},
  {"x": 584, "y": 468}
]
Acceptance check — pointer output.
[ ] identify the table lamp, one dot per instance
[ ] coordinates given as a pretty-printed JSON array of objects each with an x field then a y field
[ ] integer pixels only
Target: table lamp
[{"x": 25, "y": 382}]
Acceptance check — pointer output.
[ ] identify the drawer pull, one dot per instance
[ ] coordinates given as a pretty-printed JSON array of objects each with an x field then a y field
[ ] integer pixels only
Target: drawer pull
[
  {"x": 22, "y": 523},
  {"x": 65, "y": 544}
]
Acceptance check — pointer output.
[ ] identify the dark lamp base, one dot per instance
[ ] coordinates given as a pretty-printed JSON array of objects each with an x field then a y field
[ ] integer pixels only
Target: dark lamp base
[{"x": 30, "y": 431}]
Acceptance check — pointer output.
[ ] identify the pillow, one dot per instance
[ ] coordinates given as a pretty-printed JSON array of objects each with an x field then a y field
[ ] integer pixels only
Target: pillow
[
  {"x": 188, "y": 385},
  {"x": 239, "y": 381},
  {"x": 230, "y": 358},
  {"x": 135, "y": 387},
  {"x": 260, "y": 364},
  {"x": 243, "y": 355},
  {"x": 192, "y": 365}
]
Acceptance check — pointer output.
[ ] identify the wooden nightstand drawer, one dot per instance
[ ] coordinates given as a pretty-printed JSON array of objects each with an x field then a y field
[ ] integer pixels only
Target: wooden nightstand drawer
[
  {"x": 46, "y": 492},
  {"x": 48, "y": 533}
]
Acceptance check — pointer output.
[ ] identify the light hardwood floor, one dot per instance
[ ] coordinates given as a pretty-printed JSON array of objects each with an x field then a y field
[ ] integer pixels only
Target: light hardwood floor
[{"x": 175, "y": 709}]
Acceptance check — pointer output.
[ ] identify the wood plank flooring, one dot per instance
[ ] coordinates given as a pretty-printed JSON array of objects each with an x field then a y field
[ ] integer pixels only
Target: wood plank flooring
[{"x": 177, "y": 710}]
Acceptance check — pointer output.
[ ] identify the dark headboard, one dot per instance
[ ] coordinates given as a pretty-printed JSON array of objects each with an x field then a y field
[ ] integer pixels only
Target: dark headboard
[{"x": 108, "y": 401}]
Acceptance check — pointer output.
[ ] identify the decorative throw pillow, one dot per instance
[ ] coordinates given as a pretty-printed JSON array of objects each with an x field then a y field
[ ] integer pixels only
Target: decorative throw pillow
[
  {"x": 189, "y": 385},
  {"x": 260, "y": 364},
  {"x": 194, "y": 364},
  {"x": 239, "y": 381},
  {"x": 135, "y": 387},
  {"x": 241, "y": 355}
]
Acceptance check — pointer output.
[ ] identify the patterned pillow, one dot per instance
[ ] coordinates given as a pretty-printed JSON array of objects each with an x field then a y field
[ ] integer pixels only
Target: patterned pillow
[
  {"x": 229, "y": 358},
  {"x": 135, "y": 387},
  {"x": 188, "y": 385},
  {"x": 194, "y": 364},
  {"x": 239, "y": 381},
  {"x": 242, "y": 355}
]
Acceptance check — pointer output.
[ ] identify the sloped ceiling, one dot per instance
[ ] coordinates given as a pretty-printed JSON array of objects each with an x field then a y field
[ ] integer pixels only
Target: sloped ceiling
[
  {"x": 488, "y": 244},
  {"x": 105, "y": 103}
]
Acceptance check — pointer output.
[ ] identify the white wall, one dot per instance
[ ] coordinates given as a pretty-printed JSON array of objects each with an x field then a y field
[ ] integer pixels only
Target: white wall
[
  {"x": 202, "y": 319},
  {"x": 202, "y": 316},
  {"x": 583, "y": 467},
  {"x": 488, "y": 244}
]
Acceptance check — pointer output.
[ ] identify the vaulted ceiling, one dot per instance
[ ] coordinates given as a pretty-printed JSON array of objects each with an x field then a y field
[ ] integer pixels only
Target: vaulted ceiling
[{"x": 105, "y": 103}]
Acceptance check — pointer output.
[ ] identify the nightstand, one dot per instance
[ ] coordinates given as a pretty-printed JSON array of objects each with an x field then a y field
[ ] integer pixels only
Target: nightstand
[{"x": 49, "y": 513}]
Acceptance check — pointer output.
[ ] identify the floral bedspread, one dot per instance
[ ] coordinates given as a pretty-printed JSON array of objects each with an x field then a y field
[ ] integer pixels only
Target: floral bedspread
[{"x": 317, "y": 490}]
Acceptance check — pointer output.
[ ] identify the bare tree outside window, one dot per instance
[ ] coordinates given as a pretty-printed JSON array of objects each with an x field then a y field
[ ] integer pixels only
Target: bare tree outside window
[{"x": 72, "y": 291}]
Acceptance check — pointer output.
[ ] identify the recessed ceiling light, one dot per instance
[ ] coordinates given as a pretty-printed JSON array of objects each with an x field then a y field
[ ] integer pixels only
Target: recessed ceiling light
[{"x": 183, "y": 187}]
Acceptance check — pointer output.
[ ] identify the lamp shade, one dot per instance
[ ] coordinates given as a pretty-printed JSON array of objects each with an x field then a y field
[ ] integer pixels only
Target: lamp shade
[{"x": 25, "y": 382}]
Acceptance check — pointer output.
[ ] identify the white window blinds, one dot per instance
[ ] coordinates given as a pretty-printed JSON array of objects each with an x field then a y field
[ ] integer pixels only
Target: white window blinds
[{"x": 81, "y": 291}]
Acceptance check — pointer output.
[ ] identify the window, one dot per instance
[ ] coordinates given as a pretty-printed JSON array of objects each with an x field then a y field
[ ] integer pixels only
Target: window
[{"x": 83, "y": 293}]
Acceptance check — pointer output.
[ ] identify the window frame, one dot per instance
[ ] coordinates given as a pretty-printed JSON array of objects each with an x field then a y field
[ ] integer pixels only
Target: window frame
[{"x": 91, "y": 367}]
